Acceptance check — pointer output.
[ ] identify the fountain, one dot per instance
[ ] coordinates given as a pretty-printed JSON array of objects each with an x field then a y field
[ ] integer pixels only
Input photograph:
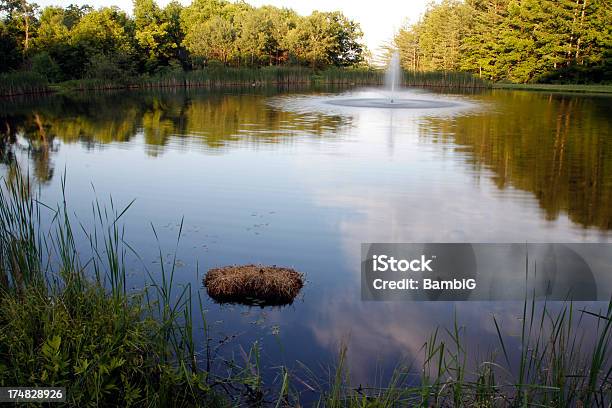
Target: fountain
[
  {"x": 392, "y": 76},
  {"x": 395, "y": 98}
]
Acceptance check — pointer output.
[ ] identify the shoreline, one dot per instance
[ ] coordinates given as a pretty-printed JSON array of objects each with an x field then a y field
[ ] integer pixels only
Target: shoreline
[
  {"x": 574, "y": 88},
  {"x": 82, "y": 87},
  {"x": 14, "y": 85}
]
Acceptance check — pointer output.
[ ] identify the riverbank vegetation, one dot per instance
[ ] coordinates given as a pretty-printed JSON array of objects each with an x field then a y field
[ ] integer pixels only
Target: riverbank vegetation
[
  {"x": 214, "y": 43},
  {"x": 68, "y": 319},
  {"x": 215, "y": 77},
  {"x": 60, "y": 44},
  {"x": 582, "y": 88},
  {"x": 542, "y": 41}
]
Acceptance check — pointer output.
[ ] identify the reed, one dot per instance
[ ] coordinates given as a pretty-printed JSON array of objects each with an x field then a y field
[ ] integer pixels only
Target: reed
[
  {"x": 22, "y": 83},
  {"x": 216, "y": 77},
  {"x": 443, "y": 79},
  {"x": 557, "y": 367},
  {"x": 581, "y": 88},
  {"x": 67, "y": 318}
]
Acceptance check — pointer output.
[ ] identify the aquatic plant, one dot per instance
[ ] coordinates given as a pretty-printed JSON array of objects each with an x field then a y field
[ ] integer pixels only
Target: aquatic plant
[
  {"x": 22, "y": 83},
  {"x": 557, "y": 366},
  {"x": 254, "y": 284},
  {"x": 62, "y": 327},
  {"x": 225, "y": 77}
]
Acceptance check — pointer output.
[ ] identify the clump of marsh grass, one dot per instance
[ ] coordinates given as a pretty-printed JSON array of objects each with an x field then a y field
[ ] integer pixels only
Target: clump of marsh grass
[
  {"x": 564, "y": 361},
  {"x": 21, "y": 83},
  {"x": 218, "y": 77},
  {"x": 254, "y": 284},
  {"x": 68, "y": 320}
]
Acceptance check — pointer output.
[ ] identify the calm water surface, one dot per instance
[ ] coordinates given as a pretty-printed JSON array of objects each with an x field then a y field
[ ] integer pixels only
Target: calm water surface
[{"x": 284, "y": 178}]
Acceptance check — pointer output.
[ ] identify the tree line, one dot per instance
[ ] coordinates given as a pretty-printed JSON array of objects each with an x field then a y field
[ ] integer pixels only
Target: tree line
[
  {"x": 515, "y": 40},
  {"x": 63, "y": 43}
]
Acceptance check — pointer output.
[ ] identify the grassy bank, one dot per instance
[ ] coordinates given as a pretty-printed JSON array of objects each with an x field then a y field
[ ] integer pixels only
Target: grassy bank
[
  {"x": 68, "y": 319},
  {"x": 22, "y": 83},
  {"x": 220, "y": 77},
  {"x": 556, "y": 87},
  {"x": 442, "y": 79},
  {"x": 73, "y": 324},
  {"x": 214, "y": 78}
]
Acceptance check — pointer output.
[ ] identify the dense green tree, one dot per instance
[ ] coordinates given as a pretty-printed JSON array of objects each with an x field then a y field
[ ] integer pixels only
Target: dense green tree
[
  {"x": 253, "y": 32},
  {"x": 518, "y": 40},
  {"x": 172, "y": 15},
  {"x": 52, "y": 29},
  {"x": 73, "y": 42},
  {"x": 312, "y": 40},
  {"x": 480, "y": 46},
  {"x": 407, "y": 41},
  {"x": 213, "y": 39},
  {"x": 106, "y": 37},
  {"x": 43, "y": 64},
  {"x": 435, "y": 43},
  {"x": 54, "y": 40},
  {"x": 193, "y": 19},
  {"x": 347, "y": 49},
  {"x": 20, "y": 18},
  {"x": 105, "y": 31},
  {"x": 283, "y": 21},
  {"x": 153, "y": 34},
  {"x": 9, "y": 49}
]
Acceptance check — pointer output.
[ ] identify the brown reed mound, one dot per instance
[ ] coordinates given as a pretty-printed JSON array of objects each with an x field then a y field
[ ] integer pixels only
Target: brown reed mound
[{"x": 253, "y": 284}]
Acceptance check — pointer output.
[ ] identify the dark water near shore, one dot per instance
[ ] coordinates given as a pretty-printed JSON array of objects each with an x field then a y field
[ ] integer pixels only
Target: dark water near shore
[{"x": 281, "y": 178}]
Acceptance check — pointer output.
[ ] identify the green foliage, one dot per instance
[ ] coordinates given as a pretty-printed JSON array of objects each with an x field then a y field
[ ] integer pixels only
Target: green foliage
[
  {"x": 22, "y": 82},
  {"x": 109, "y": 67},
  {"x": 440, "y": 48},
  {"x": 20, "y": 17},
  {"x": 52, "y": 29},
  {"x": 521, "y": 41},
  {"x": 44, "y": 65},
  {"x": 156, "y": 39},
  {"x": 9, "y": 49},
  {"x": 553, "y": 369},
  {"x": 104, "y": 31},
  {"x": 254, "y": 32},
  {"x": 83, "y": 340},
  {"x": 153, "y": 33},
  {"x": 212, "y": 40},
  {"x": 62, "y": 327}
]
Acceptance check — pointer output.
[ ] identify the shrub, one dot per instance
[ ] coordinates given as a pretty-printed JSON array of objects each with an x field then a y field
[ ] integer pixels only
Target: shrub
[{"x": 45, "y": 66}]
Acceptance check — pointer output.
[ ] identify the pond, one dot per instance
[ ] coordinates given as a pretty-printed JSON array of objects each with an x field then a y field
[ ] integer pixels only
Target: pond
[{"x": 280, "y": 177}]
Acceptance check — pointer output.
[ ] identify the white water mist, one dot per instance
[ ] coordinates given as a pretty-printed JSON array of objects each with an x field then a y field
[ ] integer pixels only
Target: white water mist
[{"x": 392, "y": 76}]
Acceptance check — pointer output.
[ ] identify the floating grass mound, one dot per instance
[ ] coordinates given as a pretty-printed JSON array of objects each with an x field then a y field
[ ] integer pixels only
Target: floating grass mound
[{"x": 253, "y": 284}]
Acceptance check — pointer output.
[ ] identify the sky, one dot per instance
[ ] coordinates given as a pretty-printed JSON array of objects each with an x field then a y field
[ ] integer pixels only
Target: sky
[{"x": 379, "y": 19}]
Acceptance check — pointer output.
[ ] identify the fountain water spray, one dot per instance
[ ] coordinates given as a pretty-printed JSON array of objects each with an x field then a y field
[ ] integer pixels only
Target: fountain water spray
[
  {"x": 393, "y": 97},
  {"x": 392, "y": 76}
]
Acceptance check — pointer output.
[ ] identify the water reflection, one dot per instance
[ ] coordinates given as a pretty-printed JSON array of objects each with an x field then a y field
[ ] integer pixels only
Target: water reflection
[
  {"x": 265, "y": 183},
  {"x": 214, "y": 120},
  {"x": 555, "y": 146}
]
